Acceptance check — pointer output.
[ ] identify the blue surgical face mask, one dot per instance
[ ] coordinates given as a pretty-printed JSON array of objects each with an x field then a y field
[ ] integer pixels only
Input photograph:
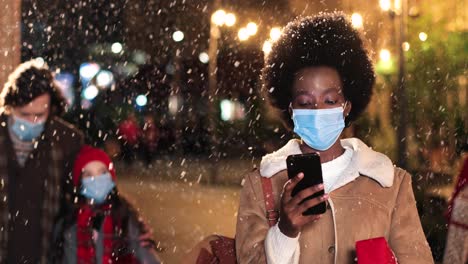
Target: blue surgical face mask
[
  {"x": 319, "y": 128},
  {"x": 97, "y": 187},
  {"x": 25, "y": 130}
]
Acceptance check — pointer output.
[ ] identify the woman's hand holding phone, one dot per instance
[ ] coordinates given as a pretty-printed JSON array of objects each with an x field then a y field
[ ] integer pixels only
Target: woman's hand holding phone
[{"x": 291, "y": 219}]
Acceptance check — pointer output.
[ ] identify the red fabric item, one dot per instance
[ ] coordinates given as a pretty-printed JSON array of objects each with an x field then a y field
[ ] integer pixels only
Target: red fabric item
[
  {"x": 129, "y": 131},
  {"x": 84, "y": 235},
  {"x": 206, "y": 257},
  {"x": 151, "y": 135},
  {"x": 374, "y": 250},
  {"x": 461, "y": 183},
  {"x": 224, "y": 249},
  {"x": 127, "y": 259},
  {"x": 223, "y": 252},
  {"x": 108, "y": 231},
  {"x": 86, "y": 252},
  {"x": 86, "y": 155}
]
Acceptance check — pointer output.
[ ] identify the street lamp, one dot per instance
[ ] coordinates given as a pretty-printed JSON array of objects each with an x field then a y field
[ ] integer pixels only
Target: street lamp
[
  {"x": 267, "y": 46},
  {"x": 385, "y": 5},
  {"x": 230, "y": 19},
  {"x": 246, "y": 32},
  {"x": 252, "y": 28},
  {"x": 275, "y": 33},
  {"x": 399, "y": 10},
  {"x": 243, "y": 34},
  {"x": 219, "y": 18},
  {"x": 356, "y": 20}
]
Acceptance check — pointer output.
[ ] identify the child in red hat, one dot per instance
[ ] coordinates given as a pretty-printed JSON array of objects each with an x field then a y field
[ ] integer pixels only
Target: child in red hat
[{"x": 102, "y": 226}]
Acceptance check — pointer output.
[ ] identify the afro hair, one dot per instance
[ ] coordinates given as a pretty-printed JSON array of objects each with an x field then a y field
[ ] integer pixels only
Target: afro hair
[{"x": 327, "y": 39}]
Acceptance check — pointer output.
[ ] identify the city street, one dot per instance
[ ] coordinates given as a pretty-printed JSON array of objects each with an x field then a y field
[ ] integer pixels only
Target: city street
[
  {"x": 170, "y": 104},
  {"x": 183, "y": 212}
]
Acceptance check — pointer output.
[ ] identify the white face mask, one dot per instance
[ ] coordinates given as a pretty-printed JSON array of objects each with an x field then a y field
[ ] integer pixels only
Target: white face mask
[
  {"x": 97, "y": 187},
  {"x": 319, "y": 128},
  {"x": 25, "y": 130}
]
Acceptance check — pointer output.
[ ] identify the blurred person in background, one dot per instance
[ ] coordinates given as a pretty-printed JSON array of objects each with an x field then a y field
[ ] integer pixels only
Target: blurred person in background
[
  {"x": 456, "y": 248},
  {"x": 149, "y": 139},
  {"x": 37, "y": 152},
  {"x": 129, "y": 135}
]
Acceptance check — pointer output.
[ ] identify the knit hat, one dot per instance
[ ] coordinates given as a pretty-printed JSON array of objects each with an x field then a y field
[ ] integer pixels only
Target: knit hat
[{"x": 85, "y": 156}]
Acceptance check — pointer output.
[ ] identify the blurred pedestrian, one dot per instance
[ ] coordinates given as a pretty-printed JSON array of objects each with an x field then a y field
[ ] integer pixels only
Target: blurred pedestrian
[
  {"x": 149, "y": 138},
  {"x": 37, "y": 151},
  {"x": 320, "y": 77},
  {"x": 456, "y": 248},
  {"x": 129, "y": 133},
  {"x": 101, "y": 226}
]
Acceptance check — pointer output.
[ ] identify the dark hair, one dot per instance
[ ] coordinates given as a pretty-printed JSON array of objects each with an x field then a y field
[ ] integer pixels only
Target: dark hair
[
  {"x": 31, "y": 84},
  {"x": 327, "y": 39}
]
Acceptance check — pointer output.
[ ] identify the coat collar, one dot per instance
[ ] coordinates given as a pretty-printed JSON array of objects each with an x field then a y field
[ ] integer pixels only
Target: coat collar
[{"x": 365, "y": 162}]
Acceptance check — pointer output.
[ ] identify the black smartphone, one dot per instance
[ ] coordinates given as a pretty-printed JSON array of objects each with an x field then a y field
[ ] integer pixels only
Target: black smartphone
[{"x": 310, "y": 165}]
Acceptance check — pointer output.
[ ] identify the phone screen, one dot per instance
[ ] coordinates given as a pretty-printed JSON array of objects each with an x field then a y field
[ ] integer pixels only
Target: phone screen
[{"x": 310, "y": 165}]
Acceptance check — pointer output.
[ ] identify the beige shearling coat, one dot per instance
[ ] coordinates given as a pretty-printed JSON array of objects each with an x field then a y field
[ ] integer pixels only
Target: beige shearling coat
[{"x": 372, "y": 199}]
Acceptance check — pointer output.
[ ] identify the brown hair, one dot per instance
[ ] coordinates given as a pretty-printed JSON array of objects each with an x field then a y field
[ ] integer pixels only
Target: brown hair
[{"x": 29, "y": 85}]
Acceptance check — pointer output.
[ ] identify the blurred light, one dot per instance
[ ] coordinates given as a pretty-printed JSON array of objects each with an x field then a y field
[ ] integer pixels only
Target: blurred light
[
  {"x": 397, "y": 5},
  {"x": 203, "y": 57},
  {"x": 128, "y": 69},
  {"x": 414, "y": 11},
  {"x": 230, "y": 20},
  {"x": 90, "y": 92},
  {"x": 174, "y": 103},
  {"x": 139, "y": 57},
  {"x": 385, "y": 55},
  {"x": 462, "y": 80},
  {"x": 385, "y": 5},
  {"x": 116, "y": 47},
  {"x": 40, "y": 61},
  {"x": 267, "y": 47},
  {"x": 422, "y": 36},
  {"x": 178, "y": 36},
  {"x": 89, "y": 70},
  {"x": 104, "y": 78},
  {"x": 219, "y": 17},
  {"x": 252, "y": 28},
  {"x": 385, "y": 65},
  {"x": 243, "y": 34},
  {"x": 275, "y": 33},
  {"x": 86, "y": 104},
  {"x": 65, "y": 80},
  {"x": 406, "y": 46},
  {"x": 170, "y": 68},
  {"x": 227, "y": 109},
  {"x": 141, "y": 100},
  {"x": 231, "y": 110},
  {"x": 356, "y": 20},
  {"x": 65, "y": 83}
]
